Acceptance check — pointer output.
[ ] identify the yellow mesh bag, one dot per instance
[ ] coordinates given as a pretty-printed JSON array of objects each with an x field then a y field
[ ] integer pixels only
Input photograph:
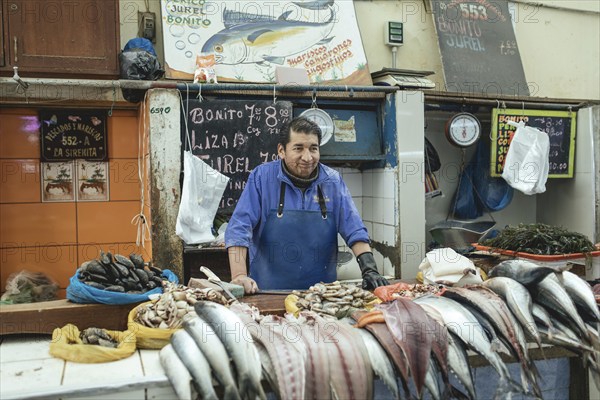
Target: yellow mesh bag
[
  {"x": 67, "y": 345},
  {"x": 148, "y": 338}
]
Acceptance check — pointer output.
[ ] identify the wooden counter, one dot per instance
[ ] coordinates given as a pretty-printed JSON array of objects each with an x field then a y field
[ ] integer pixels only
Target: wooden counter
[{"x": 45, "y": 316}]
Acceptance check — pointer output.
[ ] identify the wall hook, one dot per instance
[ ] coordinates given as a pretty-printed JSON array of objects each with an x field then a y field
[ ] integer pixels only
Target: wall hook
[{"x": 21, "y": 83}]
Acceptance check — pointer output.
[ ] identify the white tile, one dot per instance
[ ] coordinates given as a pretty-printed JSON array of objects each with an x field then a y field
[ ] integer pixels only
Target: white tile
[
  {"x": 367, "y": 209},
  {"x": 378, "y": 210},
  {"x": 358, "y": 202},
  {"x": 369, "y": 226},
  {"x": 378, "y": 183},
  {"x": 79, "y": 374},
  {"x": 389, "y": 235},
  {"x": 28, "y": 376},
  {"x": 367, "y": 183},
  {"x": 25, "y": 348},
  {"x": 388, "y": 268},
  {"x": 354, "y": 182},
  {"x": 388, "y": 210},
  {"x": 378, "y": 232},
  {"x": 389, "y": 181},
  {"x": 378, "y": 257}
]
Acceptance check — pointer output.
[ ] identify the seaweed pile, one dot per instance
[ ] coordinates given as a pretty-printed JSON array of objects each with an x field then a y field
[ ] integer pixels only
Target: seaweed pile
[{"x": 540, "y": 239}]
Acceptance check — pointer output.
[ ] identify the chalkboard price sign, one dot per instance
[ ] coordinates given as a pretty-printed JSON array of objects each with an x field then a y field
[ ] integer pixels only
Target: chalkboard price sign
[
  {"x": 234, "y": 137},
  {"x": 478, "y": 47},
  {"x": 559, "y": 125}
]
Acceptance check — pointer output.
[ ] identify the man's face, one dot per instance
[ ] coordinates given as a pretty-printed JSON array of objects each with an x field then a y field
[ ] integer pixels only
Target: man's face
[{"x": 301, "y": 154}]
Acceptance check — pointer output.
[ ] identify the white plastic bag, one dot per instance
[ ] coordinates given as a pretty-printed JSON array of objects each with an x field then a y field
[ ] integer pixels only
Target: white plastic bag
[
  {"x": 446, "y": 265},
  {"x": 527, "y": 161},
  {"x": 202, "y": 190}
]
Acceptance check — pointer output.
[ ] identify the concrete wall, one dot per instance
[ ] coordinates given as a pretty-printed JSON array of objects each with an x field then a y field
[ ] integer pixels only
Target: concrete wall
[{"x": 568, "y": 36}]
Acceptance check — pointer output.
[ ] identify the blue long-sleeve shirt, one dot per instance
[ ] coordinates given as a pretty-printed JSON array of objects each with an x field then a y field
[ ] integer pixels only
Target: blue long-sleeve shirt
[{"x": 261, "y": 194}]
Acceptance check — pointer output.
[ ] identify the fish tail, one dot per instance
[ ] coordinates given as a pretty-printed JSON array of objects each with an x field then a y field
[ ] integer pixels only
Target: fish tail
[
  {"x": 496, "y": 345},
  {"x": 231, "y": 393}
]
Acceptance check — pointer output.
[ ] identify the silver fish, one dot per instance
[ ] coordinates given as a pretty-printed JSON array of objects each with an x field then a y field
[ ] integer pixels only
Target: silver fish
[
  {"x": 431, "y": 381},
  {"x": 211, "y": 346},
  {"x": 287, "y": 360},
  {"x": 267, "y": 41},
  {"x": 518, "y": 299},
  {"x": 176, "y": 371},
  {"x": 525, "y": 272},
  {"x": 195, "y": 362},
  {"x": 541, "y": 315},
  {"x": 349, "y": 365},
  {"x": 234, "y": 336},
  {"x": 380, "y": 362},
  {"x": 457, "y": 354},
  {"x": 461, "y": 322},
  {"x": 549, "y": 292},
  {"x": 581, "y": 293},
  {"x": 268, "y": 372},
  {"x": 493, "y": 307}
]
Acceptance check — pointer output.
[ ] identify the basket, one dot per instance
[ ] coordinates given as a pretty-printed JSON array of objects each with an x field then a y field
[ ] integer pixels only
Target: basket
[
  {"x": 590, "y": 261},
  {"x": 460, "y": 235}
]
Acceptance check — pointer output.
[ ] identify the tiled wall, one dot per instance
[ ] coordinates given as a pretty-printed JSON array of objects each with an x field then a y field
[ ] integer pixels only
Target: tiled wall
[
  {"x": 375, "y": 195},
  {"x": 55, "y": 238}
]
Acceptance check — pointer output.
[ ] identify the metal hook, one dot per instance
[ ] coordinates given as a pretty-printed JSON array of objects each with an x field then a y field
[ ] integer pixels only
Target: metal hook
[
  {"x": 498, "y": 103},
  {"x": 274, "y": 96},
  {"x": 523, "y": 108},
  {"x": 570, "y": 108},
  {"x": 503, "y": 105},
  {"x": 351, "y": 92},
  {"x": 199, "y": 97},
  {"x": 314, "y": 98}
]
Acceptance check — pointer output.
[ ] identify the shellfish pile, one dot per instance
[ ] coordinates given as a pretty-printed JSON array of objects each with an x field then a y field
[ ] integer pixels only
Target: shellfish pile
[
  {"x": 169, "y": 310},
  {"x": 333, "y": 299},
  {"x": 120, "y": 274},
  {"x": 97, "y": 336}
]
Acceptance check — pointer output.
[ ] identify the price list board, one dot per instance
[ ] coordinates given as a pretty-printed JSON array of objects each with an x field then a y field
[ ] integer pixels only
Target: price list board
[{"x": 559, "y": 125}]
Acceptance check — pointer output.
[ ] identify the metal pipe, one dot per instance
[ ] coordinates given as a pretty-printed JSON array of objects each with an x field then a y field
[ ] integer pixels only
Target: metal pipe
[
  {"x": 195, "y": 87},
  {"x": 529, "y": 102}
]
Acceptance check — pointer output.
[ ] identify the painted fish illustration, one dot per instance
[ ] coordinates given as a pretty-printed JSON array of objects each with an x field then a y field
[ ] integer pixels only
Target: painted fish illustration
[{"x": 263, "y": 40}]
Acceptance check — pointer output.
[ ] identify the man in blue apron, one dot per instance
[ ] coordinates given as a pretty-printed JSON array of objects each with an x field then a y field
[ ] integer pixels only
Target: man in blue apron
[{"x": 288, "y": 217}]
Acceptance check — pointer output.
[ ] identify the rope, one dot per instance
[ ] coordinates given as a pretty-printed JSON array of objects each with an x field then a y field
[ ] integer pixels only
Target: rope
[{"x": 143, "y": 229}]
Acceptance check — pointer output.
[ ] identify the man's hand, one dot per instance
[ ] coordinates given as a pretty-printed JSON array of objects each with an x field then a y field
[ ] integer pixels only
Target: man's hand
[
  {"x": 370, "y": 275},
  {"x": 246, "y": 282}
]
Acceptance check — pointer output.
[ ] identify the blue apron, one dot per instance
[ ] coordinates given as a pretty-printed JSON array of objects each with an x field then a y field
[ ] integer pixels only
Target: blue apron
[{"x": 297, "y": 248}]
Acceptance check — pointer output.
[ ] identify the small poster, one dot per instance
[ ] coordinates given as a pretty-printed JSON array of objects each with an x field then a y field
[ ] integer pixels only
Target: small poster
[
  {"x": 57, "y": 182},
  {"x": 73, "y": 134},
  {"x": 249, "y": 39},
  {"x": 92, "y": 181}
]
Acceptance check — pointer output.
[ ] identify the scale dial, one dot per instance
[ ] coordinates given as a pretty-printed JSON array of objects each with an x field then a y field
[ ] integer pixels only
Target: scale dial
[
  {"x": 324, "y": 121},
  {"x": 463, "y": 130}
]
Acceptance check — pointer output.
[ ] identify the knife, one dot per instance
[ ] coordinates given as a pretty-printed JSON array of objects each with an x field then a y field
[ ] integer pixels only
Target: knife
[{"x": 213, "y": 278}]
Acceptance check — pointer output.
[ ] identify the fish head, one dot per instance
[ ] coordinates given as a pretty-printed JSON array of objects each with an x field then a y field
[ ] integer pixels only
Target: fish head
[{"x": 227, "y": 49}]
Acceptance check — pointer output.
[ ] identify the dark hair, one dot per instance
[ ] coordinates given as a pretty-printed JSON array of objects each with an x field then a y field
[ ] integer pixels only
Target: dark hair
[{"x": 298, "y": 125}]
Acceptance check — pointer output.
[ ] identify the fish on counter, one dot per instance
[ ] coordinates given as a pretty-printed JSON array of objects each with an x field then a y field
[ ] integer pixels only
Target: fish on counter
[
  {"x": 177, "y": 372},
  {"x": 213, "y": 350},
  {"x": 229, "y": 328}
]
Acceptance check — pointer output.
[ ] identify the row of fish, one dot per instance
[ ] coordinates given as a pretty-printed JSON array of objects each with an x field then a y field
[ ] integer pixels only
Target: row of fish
[{"x": 412, "y": 346}]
